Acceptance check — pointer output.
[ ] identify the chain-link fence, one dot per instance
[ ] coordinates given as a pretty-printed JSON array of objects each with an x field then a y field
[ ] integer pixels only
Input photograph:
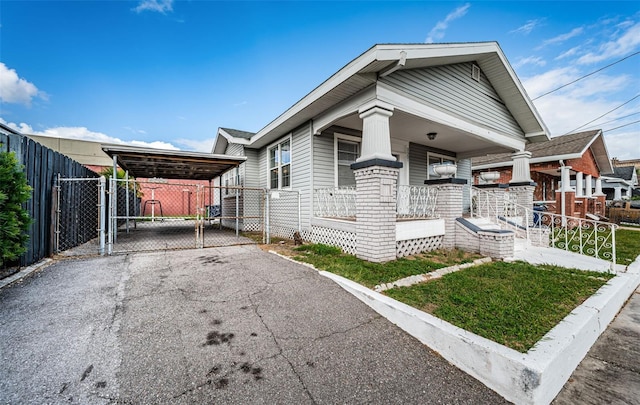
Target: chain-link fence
[
  {"x": 283, "y": 213},
  {"x": 162, "y": 215},
  {"x": 78, "y": 220}
]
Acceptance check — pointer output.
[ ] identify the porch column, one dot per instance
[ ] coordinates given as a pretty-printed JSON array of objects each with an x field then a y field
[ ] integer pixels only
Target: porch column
[
  {"x": 565, "y": 178},
  {"x": 376, "y": 209},
  {"x": 598, "y": 187},
  {"x": 579, "y": 185},
  {"x": 376, "y": 138},
  {"x": 617, "y": 195},
  {"x": 521, "y": 172},
  {"x": 589, "y": 188},
  {"x": 629, "y": 192}
]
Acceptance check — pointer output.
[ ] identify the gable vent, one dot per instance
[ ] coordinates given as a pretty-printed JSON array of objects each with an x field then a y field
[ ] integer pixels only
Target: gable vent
[{"x": 475, "y": 72}]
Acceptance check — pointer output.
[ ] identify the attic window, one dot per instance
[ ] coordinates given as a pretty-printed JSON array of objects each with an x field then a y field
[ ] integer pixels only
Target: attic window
[{"x": 475, "y": 72}]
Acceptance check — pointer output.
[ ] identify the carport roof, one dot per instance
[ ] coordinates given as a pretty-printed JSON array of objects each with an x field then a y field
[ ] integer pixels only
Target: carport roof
[{"x": 171, "y": 164}]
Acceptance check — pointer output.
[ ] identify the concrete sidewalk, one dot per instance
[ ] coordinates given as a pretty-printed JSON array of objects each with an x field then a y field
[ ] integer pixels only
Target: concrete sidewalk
[{"x": 610, "y": 373}]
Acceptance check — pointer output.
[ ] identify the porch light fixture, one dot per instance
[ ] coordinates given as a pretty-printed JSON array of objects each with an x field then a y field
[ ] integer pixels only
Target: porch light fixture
[{"x": 432, "y": 135}]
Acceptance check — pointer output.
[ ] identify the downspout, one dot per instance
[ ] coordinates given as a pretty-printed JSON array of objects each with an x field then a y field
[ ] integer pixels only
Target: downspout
[{"x": 562, "y": 188}]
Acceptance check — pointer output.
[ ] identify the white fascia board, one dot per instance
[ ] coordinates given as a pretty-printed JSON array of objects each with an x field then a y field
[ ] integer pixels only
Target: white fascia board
[
  {"x": 419, "y": 109},
  {"x": 343, "y": 74},
  {"x": 347, "y": 107},
  {"x": 521, "y": 89}
]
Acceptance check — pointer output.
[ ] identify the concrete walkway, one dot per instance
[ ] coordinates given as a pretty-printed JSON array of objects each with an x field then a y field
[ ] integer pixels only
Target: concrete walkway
[
  {"x": 610, "y": 373},
  {"x": 231, "y": 325}
]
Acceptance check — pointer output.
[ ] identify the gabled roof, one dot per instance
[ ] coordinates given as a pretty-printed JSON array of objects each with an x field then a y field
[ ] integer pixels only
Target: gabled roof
[
  {"x": 571, "y": 146},
  {"x": 363, "y": 71},
  {"x": 625, "y": 173},
  {"x": 236, "y": 133},
  {"x": 228, "y": 135}
]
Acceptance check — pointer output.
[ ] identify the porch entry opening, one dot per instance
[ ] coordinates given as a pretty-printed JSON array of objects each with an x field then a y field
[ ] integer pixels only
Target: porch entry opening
[{"x": 154, "y": 214}]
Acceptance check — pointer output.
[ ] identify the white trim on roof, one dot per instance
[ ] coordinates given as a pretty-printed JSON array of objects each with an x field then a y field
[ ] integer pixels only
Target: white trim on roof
[{"x": 440, "y": 53}]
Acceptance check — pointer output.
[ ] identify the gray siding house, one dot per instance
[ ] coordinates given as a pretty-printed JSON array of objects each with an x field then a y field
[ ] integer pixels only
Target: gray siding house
[{"x": 368, "y": 142}]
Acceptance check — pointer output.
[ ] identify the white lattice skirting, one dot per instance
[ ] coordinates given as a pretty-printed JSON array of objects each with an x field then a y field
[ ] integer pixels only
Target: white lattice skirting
[
  {"x": 335, "y": 237},
  {"x": 414, "y": 246}
]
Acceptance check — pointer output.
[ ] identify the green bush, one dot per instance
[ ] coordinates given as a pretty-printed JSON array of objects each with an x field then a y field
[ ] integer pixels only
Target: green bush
[{"x": 14, "y": 220}]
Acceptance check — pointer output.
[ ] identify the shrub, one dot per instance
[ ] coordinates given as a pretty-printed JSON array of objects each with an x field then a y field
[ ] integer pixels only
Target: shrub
[{"x": 14, "y": 220}]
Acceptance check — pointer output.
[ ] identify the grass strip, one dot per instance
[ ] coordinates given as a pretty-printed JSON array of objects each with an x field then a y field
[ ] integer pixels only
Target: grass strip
[
  {"x": 627, "y": 246},
  {"x": 369, "y": 274},
  {"x": 514, "y": 304}
]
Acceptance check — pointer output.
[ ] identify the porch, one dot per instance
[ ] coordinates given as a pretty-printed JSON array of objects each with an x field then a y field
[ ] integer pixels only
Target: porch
[{"x": 500, "y": 222}]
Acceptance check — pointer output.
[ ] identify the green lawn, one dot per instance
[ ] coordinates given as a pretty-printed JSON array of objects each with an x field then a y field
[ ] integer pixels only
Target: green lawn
[
  {"x": 627, "y": 246},
  {"x": 514, "y": 304},
  {"x": 369, "y": 274}
]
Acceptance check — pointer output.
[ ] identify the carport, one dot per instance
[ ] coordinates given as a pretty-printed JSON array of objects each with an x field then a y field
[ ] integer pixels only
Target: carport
[{"x": 173, "y": 200}]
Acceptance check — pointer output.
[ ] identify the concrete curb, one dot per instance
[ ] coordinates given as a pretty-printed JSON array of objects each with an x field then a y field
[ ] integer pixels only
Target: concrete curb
[
  {"x": 24, "y": 272},
  {"x": 535, "y": 377}
]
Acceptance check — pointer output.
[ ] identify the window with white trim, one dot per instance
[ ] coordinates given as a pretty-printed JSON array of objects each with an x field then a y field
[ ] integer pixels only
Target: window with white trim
[
  {"x": 279, "y": 157},
  {"x": 434, "y": 159},
  {"x": 347, "y": 150},
  {"x": 230, "y": 179}
]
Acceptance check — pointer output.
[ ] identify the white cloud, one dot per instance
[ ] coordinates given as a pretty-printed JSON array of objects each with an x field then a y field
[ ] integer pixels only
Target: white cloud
[
  {"x": 621, "y": 145},
  {"x": 84, "y": 134},
  {"x": 531, "y": 60},
  {"x": 14, "y": 89},
  {"x": 528, "y": 26},
  {"x": 542, "y": 83},
  {"x": 437, "y": 32},
  {"x": 196, "y": 145},
  {"x": 135, "y": 131},
  {"x": 563, "y": 37},
  {"x": 627, "y": 42},
  {"x": 160, "y": 6},
  {"x": 568, "y": 53}
]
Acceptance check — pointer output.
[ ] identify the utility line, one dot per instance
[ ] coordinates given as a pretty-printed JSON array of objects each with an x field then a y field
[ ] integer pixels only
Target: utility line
[
  {"x": 608, "y": 112},
  {"x": 585, "y": 76},
  {"x": 613, "y": 120},
  {"x": 621, "y": 126}
]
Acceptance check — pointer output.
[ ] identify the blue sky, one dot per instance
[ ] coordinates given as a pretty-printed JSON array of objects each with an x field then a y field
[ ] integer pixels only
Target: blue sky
[{"x": 169, "y": 73}]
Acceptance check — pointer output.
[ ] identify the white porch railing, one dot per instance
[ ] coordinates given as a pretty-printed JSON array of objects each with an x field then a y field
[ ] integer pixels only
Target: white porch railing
[
  {"x": 417, "y": 201},
  {"x": 340, "y": 202},
  {"x": 579, "y": 235}
]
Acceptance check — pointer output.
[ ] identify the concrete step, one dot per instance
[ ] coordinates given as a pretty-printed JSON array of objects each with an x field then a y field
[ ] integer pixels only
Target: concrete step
[{"x": 483, "y": 223}]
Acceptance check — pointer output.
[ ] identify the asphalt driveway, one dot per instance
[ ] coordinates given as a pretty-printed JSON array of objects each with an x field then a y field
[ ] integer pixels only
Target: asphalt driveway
[{"x": 219, "y": 325}]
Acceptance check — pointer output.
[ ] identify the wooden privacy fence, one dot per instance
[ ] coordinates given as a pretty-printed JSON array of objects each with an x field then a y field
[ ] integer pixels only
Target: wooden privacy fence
[{"x": 42, "y": 166}]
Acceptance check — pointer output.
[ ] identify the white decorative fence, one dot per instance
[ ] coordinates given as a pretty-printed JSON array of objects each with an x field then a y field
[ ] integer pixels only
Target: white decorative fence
[
  {"x": 417, "y": 201},
  {"x": 340, "y": 202},
  {"x": 579, "y": 235}
]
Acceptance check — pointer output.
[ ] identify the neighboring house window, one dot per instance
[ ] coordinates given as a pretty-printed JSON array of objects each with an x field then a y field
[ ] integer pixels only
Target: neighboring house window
[
  {"x": 435, "y": 159},
  {"x": 347, "y": 150},
  {"x": 280, "y": 165}
]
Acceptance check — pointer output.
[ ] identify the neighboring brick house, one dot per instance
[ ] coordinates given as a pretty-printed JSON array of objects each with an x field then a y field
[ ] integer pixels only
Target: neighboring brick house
[{"x": 585, "y": 160}]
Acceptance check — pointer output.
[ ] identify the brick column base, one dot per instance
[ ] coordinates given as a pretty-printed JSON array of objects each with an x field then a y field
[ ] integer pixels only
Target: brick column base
[
  {"x": 449, "y": 207},
  {"x": 376, "y": 213}
]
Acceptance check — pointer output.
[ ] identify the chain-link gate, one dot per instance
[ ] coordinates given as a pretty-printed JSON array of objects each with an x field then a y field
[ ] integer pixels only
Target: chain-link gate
[
  {"x": 158, "y": 214},
  {"x": 79, "y": 218}
]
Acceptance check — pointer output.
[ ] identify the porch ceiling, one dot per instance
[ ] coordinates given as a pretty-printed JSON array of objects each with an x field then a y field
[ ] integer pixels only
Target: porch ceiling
[
  {"x": 408, "y": 127},
  {"x": 171, "y": 164}
]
